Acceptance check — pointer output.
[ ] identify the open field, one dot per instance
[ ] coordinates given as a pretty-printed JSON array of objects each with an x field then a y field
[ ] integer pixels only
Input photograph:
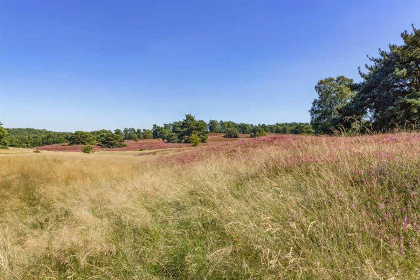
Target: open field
[
  {"x": 277, "y": 207},
  {"x": 146, "y": 144}
]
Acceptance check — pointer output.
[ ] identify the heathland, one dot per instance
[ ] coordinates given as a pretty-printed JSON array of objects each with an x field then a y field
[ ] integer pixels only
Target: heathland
[{"x": 274, "y": 207}]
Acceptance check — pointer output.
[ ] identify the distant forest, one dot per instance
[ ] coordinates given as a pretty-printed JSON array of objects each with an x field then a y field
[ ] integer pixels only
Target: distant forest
[
  {"x": 387, "y": 99},
  {"x": 30, "y": 137}
]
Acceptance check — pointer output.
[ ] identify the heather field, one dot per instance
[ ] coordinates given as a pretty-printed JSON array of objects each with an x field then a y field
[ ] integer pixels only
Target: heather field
[{"x": 275, "y": 207}]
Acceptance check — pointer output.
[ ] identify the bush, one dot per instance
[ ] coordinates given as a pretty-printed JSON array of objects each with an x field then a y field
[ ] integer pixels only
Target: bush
[
  {"x": 87, "y": 149},
  {"x": 258, "y": 132},
  {"x": 231, "y": 132},
  {"x": 195, "y": 140}
]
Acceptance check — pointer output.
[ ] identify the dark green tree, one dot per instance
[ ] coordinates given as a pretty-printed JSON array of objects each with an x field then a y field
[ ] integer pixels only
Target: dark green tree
[
  {"x": 190, "y": 126},
  {"x": 390, "y": 91},
  {"x": 111, "y": 140},
  {"x": 244, "y": 128},
  {"x": 81, "y": 138},
  {"x": 302, "y": 128},
  {"x": 231, "y": 132},
  {"x": 230, "y": 129},
  {"x": 258, "y": 132},
  {"x": 4, "y": 144}
]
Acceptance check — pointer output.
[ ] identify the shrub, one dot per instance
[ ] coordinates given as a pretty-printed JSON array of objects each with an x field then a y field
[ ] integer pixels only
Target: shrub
[
  {"x": 195, "y": 140},
  {"x": 87, "y": 149},
  {"x": 258, "y": 132},
  {"x": 231, "y": 132}
]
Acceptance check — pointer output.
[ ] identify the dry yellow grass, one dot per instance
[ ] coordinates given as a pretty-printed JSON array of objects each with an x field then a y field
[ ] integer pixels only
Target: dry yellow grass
[{"x": 302, "y": 207}]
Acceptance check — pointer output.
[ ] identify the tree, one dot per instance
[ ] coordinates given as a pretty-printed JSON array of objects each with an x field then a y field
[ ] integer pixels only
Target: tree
[
  {"x": 81, "y": 138},
  {"x": 4, "y": 144},
  {"x": 171, "y": 137},
  {"x": 130, "y": 134},
  {"x": 147, "y": 134},
  {"x": 119, "y": 132},
  {"x": 190, "y": 126},
  {"x": 111, "y": 140},
  {"x": 195, "y": 140},
  {"x": 244, "y": 128},
  {"x": 258, "y": 132},
  {"x": 231, "y": 132},
  {"x": 333, "y": 95},
  {"x": 230, "y": 129},
  {"x": 214, "y": 126},
  {"x": 390, "y": 91},
  {"x": 302, "y": 128}
]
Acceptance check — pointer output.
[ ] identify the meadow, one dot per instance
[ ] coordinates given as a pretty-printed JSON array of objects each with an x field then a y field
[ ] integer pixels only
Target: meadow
[{"x": 276, "y": 207}]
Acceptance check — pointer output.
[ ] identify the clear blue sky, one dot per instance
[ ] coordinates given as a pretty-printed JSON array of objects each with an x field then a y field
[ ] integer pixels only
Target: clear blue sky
[{"x": 87, "y": 64}]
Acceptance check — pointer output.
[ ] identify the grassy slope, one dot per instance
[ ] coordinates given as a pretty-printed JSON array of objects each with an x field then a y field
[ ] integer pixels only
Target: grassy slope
[{"x": 292, "y": 207}]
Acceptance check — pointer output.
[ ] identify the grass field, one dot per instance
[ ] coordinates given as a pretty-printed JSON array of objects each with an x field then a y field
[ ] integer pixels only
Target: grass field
[{"x": 278, "y": 207}]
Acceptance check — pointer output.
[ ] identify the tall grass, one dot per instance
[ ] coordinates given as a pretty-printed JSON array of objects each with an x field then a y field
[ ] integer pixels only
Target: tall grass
[{"x": 272, "y": 208}]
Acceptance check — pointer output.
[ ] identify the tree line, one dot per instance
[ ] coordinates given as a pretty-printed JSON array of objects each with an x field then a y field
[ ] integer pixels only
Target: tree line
[
  {"x": 188, "y": 130},
  {"x": 387, "y": 98}
]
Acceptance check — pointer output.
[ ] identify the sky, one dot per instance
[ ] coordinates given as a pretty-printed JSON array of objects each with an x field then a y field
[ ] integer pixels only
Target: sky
[{"x": 90, "y": 64}]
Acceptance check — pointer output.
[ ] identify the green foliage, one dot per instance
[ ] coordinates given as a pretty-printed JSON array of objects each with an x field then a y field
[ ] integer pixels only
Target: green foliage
[
  {"x": 195, "y": 140},
  {"x": 131, "y": 134},
  {"x": 389, "y": 95},
  {"x": 390, "y": 91},
  {"x": 81, "y": 138},
  {"x": 214, "y": 126},
  {"x": 333, "y": 94},
  {"x": 171, "y": 137},
  {"x": 244, "y": 128},
  {"x": 231, "y": 132},
  {"x": 302, "y": 129},
  {"x": 258, "y": 132},
  {"x": 147, "y": 134},
  {"x": 190, "y": 126},
  {"x": 4, "y": 144},
  {"x": 181, "y": 132},
  {"x": 87, "y": 149},
  {"x": 111, "y": 140},
  {"x": 119, "y": 132},
  {"x": 230, "y": 129},
  {"x": 30, "y": 137}
]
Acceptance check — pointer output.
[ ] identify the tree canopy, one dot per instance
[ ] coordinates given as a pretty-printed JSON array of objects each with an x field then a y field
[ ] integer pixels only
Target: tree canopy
[
  {"x": 333, "y": 94},
  {"x": 387, "y": 98},
  {"x": 4, "y": 144}
]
